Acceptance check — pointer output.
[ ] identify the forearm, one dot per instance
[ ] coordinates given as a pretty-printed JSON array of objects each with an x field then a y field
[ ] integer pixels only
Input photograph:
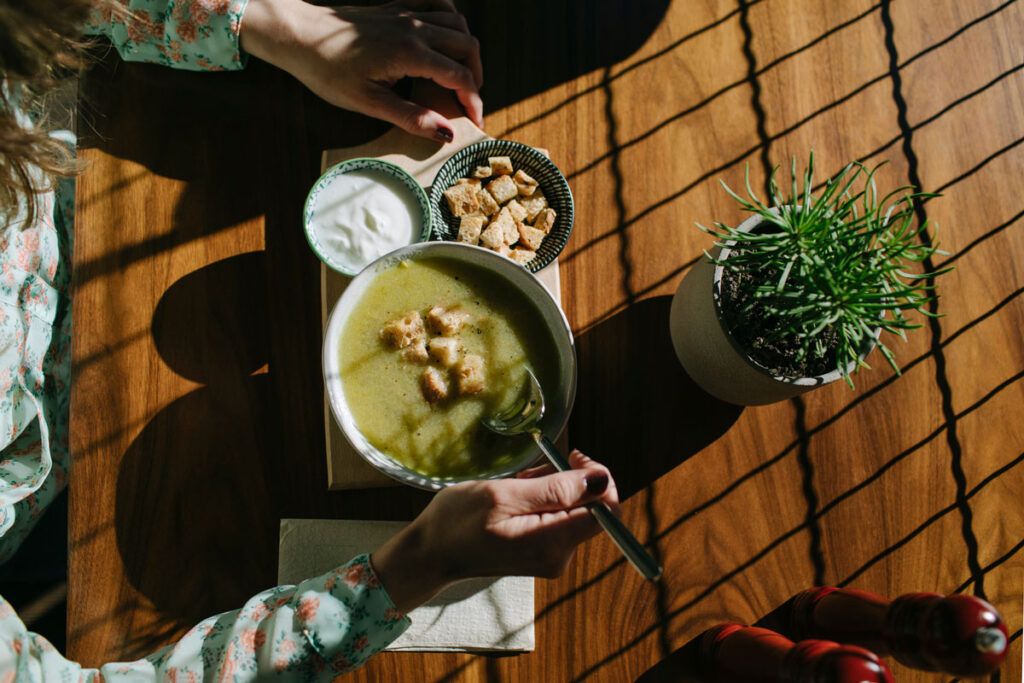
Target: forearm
[
  {"x": 407, "y": 570},
  {"x": 270, "y": 29}
]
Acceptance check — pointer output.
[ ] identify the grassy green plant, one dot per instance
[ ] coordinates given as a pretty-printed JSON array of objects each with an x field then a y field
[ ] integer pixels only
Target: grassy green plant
[{"x": 822, "y": 274}]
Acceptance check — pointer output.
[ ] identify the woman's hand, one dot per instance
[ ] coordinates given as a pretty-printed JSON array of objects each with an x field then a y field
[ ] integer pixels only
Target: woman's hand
[
  {"x": 353, "y": 56},
  {"x": 529, "y": 526}
]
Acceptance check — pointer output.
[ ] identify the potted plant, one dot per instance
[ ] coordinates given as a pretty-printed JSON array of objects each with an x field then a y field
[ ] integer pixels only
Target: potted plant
[{"x": 799, "y": 293}]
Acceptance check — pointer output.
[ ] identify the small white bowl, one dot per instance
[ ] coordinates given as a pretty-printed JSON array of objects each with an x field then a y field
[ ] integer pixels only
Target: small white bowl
[
  {"x": 361, "y": 164},
  {"x": 559, "y": 399}
]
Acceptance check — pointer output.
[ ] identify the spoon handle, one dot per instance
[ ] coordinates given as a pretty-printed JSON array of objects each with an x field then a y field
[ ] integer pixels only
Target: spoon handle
[{"x": 613, "y": 526}]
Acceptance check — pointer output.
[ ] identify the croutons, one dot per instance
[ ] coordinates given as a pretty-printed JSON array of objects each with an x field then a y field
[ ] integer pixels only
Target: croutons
[
  {"x": 545, "y": 220},
  {"x": 433, "y": 340},
  {"x": 462, "y": 199},
  {"x": 524, "y": 183},
  {"x": 507, "y": 224},
  {"x": 488, "y": 206},
  {"x": 522, "y": 256},
  {"x": 416, "y": 352},
  {"x": 446, "y": 322},
  {"x": 530, "y": 237},
  {"x": 469, "y": 375},
  {"x": 433, "y": 385},
  {"x": 534, "y": 204},
  {"x": 470, "y": 228},
  {"x": 511, "y": 212},
  {"x": 445, "y": 350},
  {"x": 517, "y": 211},
  {"x": 402, "y": 332},
  {"x": 501, "y": 188},
  {"x": 500, "y": 165}
]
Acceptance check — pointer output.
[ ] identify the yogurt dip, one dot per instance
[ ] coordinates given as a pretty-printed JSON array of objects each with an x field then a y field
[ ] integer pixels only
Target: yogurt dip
[{"x": 360, "y": 215}]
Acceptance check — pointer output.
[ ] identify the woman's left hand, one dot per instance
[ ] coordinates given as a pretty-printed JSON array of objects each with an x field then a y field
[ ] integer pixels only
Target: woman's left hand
[{"x": 353, "y": 56}]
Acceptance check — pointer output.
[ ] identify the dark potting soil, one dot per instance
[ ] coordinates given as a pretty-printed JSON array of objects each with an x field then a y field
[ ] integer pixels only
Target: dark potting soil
[{"x": 756, "y": 331}]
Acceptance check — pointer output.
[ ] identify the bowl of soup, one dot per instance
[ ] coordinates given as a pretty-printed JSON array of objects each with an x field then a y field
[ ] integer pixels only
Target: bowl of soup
[{"x": 431, "y": 338}]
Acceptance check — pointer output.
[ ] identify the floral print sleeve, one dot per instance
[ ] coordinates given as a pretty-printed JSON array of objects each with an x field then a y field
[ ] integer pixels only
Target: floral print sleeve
[
  {"x": 314, "y": 631},
  {"x": 198, "y": 35}
]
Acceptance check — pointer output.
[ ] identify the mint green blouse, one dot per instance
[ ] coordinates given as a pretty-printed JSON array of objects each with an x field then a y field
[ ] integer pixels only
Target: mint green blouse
[{"x": 322, "y": 627}]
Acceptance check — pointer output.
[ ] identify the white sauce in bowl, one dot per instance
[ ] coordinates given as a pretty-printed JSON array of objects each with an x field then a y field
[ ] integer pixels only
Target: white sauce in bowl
[{"x": 361, "y": 215}]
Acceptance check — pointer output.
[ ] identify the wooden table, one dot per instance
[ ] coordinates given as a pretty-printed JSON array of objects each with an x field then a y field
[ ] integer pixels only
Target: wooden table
[{"x": 196, "y": 408}]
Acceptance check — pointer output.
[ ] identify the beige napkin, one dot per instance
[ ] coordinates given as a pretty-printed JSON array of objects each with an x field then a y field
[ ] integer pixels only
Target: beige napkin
[{"x": 480, "y": 615}]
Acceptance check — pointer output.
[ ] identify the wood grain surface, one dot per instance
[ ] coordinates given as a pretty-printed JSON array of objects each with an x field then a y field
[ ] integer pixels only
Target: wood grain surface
[{"x": 196, "y": 407}]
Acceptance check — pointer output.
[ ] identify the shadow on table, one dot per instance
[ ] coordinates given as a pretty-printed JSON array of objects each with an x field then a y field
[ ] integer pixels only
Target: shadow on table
[
  {"x": 682, "y": 666},
  {"x": 566, "y": 39},
  {"x": 636, "y": 408},
  {"x": 192, "y": 513}
]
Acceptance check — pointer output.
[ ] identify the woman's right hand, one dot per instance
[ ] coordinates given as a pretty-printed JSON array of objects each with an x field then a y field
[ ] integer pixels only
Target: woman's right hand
[{"x": 528, "y": 526}]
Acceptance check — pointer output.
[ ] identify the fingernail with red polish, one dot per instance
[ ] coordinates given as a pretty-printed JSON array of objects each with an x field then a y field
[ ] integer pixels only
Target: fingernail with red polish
[
  {"x": 596, "y": 483},
  {"x": 444, "y": 134}
]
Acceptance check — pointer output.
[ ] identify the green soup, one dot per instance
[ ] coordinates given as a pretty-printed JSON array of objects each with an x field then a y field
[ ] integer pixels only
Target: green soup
[{"x": 443, "y": 439}]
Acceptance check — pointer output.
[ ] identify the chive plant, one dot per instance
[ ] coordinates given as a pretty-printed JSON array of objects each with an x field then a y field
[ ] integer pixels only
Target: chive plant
[{"x": 823, "y": 274}]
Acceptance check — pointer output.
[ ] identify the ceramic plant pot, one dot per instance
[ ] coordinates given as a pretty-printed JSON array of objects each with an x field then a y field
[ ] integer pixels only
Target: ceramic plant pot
[{"x": 711, "y": 356}]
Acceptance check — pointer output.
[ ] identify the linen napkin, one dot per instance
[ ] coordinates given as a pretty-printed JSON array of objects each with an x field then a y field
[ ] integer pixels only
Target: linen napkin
[{"x": 479, "y": 615}]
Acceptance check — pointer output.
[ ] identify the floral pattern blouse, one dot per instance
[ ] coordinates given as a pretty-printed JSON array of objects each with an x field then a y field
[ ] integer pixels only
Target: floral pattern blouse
[{"x": 316, "y": 630}]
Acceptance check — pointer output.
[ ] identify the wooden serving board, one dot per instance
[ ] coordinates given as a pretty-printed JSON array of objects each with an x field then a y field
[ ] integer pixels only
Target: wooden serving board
[{"x": 422, "y": 158}]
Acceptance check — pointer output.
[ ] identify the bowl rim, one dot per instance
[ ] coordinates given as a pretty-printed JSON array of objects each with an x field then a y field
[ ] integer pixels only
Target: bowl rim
[
  {"x": 532, "y": 289},
  {"x": 358, "y": 164},
  {"x": 436, "y": 196}
]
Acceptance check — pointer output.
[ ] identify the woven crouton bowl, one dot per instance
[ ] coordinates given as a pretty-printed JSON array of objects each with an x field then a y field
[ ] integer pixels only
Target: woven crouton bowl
[{"x": 549, "y": 179}]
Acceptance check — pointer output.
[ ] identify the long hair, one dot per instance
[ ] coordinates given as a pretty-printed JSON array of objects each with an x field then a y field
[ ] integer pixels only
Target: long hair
[{"x": 40, "y": 42}]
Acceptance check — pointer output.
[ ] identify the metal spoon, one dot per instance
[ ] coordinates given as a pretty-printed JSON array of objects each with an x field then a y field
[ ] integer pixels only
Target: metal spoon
[{"x": 522, "y": 417}]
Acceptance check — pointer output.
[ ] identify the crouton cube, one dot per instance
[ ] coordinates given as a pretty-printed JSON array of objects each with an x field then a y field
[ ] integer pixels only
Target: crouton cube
[
  {"x": 445, "y": 322},
  {"x": 524, "y": 183},
  {"x": 445, "y": 350},
  {"x": 416, "y": 352},
  {"x": 482, "y": 172},
  {"x": 475, "y": 182},
  {"x": 504, "y": 250},
  {"x": 534, "y": 204},
  {"x": 488, "y": 206},
  {"x": 493, "y": 236},
  {"x": 469, "y": 375},
  {"x": 401, "y": 332},
  {"x": 517, "y": 211},
  {"x": 511, "y": 233},
  {"x": 545, "y": 220},
  {"x": 507, "y": 225},
  {"x": 530, "y": 237},
  {"x": 433, "y": 385},
  {"x": 522, "y": 256},
  {"x": 462, "y": 199},
  {"x": 500, "y": 165},
  {"x": 470, "y": 228},
  {"x": 502, "y": 189}
]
